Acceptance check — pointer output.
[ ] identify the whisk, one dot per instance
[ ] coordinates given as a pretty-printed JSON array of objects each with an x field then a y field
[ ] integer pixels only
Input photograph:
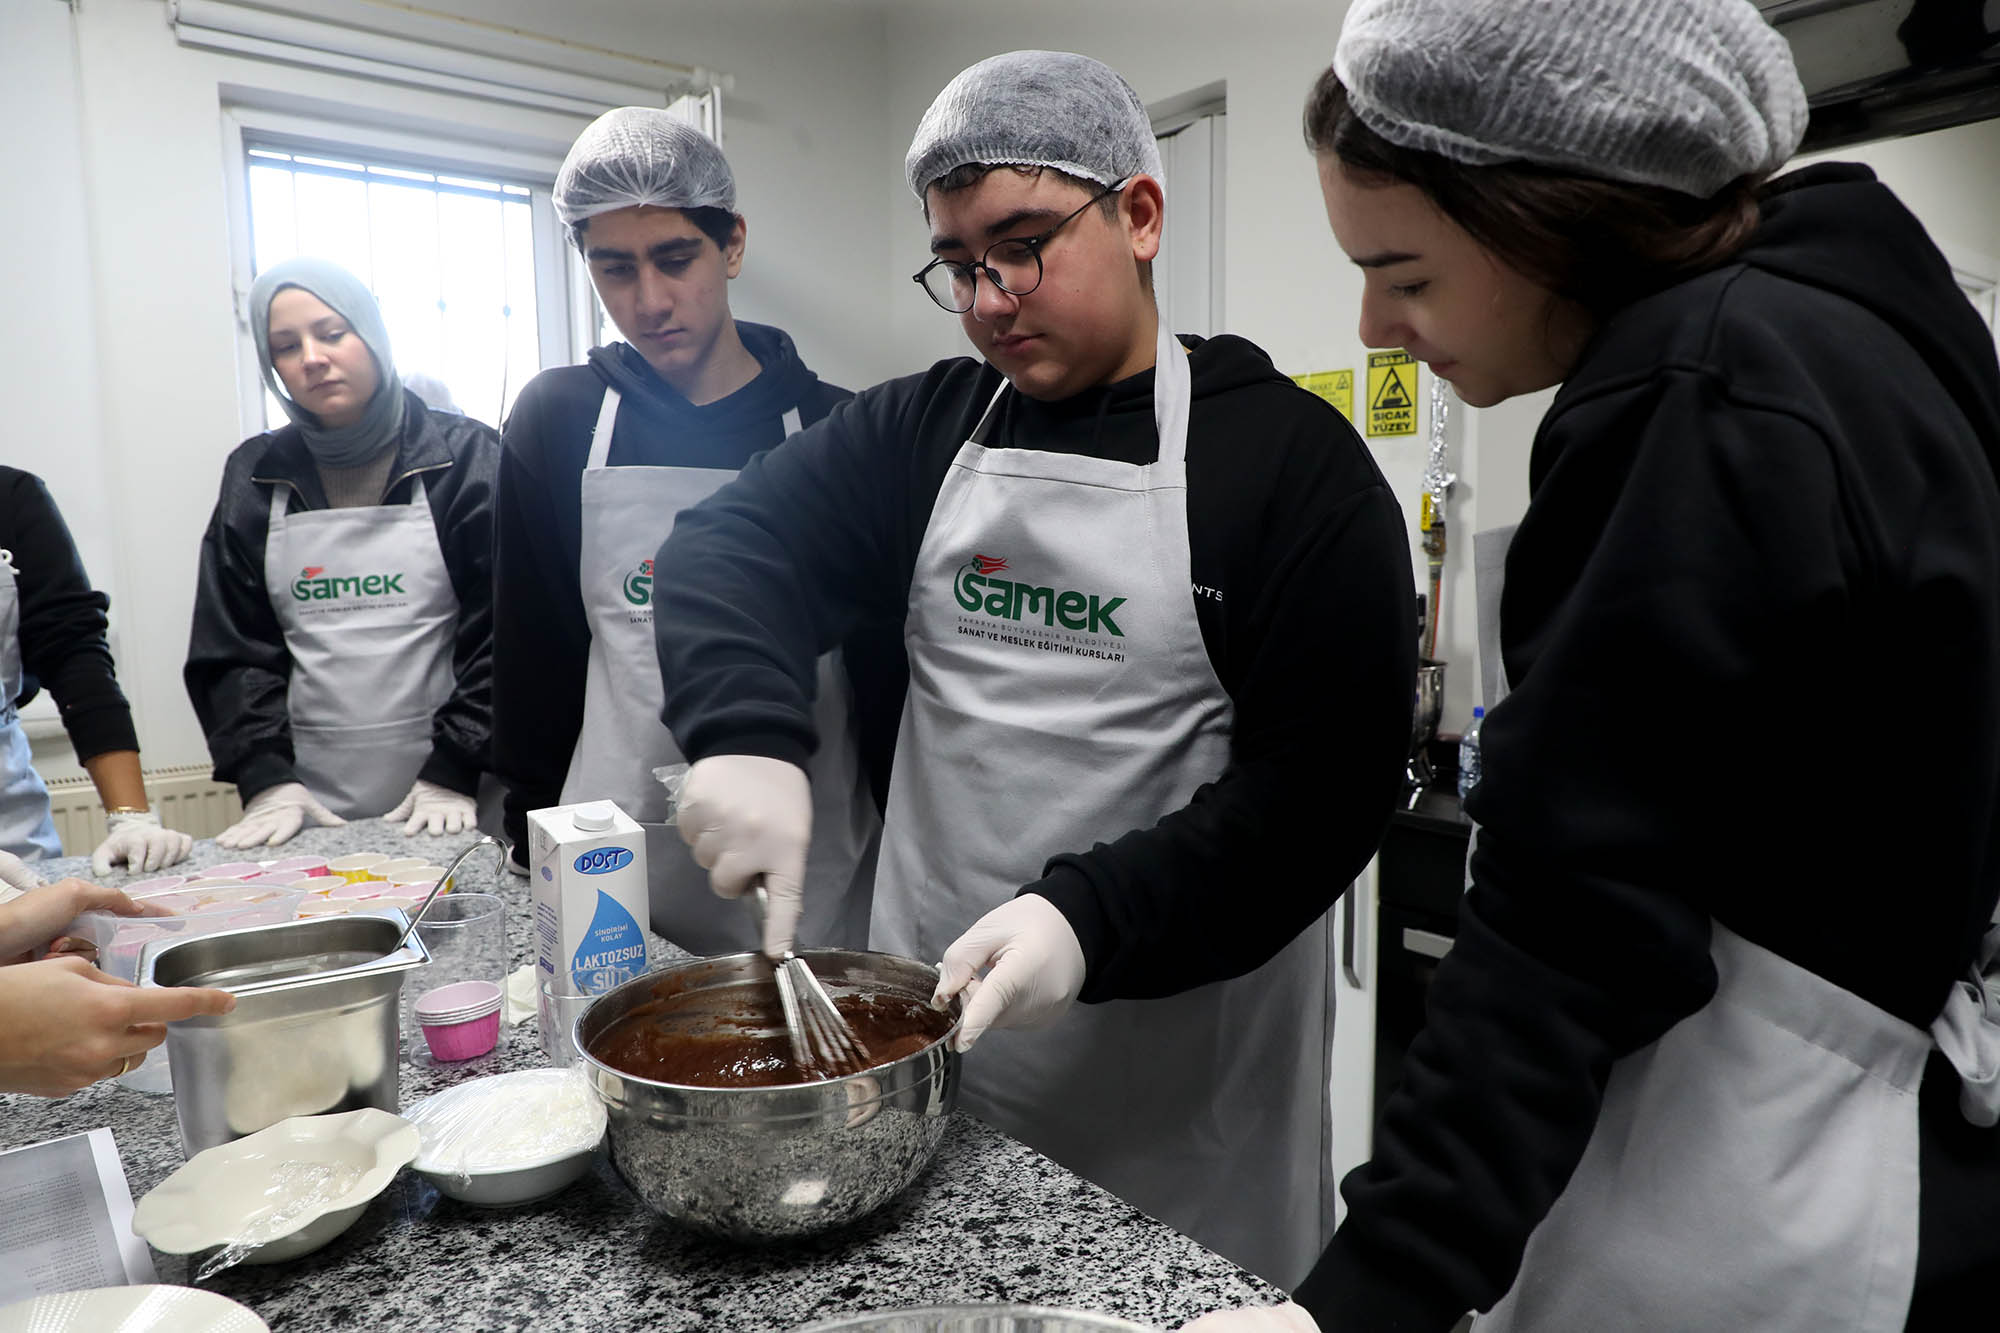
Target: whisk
[{"x": 821, "y": 1039}]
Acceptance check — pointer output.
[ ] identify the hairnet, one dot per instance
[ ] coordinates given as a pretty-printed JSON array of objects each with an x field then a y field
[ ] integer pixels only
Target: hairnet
[
  {"x": 641, "y": 155},
  {"x": 1688, "y": 94},
  {"x": 1040, "y": 109}
]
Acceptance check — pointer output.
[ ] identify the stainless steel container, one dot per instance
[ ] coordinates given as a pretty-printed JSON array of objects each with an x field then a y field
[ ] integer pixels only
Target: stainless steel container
[
  {"x": 774, "y": 1163},
  {"x": 977, "y": 1319},
  {"x": 314, "y": 1029}
]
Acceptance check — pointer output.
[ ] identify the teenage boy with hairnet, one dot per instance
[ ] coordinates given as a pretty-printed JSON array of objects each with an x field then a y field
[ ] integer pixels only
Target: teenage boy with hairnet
[
  {"x": 597, "y": 459},
  {"x": 1158, "y": 609}
]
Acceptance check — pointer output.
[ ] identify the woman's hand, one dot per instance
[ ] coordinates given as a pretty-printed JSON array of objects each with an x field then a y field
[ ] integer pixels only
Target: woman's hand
[
  {"x": 28, "y": 924},
  {"x": 64, "y": 1025}
]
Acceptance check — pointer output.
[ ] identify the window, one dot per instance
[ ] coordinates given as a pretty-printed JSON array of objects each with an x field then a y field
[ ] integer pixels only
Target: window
[
  {"x": 1187, "y": 274},
  {"x": 449, "y": 256}
]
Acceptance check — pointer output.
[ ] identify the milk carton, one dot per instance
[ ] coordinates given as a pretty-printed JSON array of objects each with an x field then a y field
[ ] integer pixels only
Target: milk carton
[{"x": 587, "y": 866}]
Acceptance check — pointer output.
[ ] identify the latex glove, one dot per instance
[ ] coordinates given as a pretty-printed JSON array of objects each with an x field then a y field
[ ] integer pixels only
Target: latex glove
[
  {"x": 29, "y": 924},
  {"x": 69, "y": 1025},
  {"x": 275, "y": 815},
  {"x": 746, "y": 816},
  {"x": 15, "y": 876},
  {"x": 1286, "y": 1318},
  {"x": 1033, "y": 965},
  {"x": 136, "y": 840},
  {"x": 432, "y": 809}
]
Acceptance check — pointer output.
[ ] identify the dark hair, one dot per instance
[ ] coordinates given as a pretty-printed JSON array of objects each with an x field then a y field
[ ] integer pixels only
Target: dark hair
[
  {"x": 1600, "y": 243},
  {"x": 718, "y": 224},
  {"x": 968, "y": 174}
]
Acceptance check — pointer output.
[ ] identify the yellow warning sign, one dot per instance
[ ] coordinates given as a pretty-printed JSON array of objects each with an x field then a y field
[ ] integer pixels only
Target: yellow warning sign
[
  {"x": 1392, "y": 393},
  {"x": 1336, "y": 386}
]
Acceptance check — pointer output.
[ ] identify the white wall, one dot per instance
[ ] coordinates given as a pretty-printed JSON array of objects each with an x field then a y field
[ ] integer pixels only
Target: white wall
[{"x": 48, "y": 341}]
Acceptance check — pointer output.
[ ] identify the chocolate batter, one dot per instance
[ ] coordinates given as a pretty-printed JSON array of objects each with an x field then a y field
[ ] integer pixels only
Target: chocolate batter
[{"x": 734, "y": 1036}]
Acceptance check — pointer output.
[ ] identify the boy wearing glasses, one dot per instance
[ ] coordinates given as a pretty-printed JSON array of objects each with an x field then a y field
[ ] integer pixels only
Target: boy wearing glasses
[
  {"x": 597, "y": 459},
  {"x": 1158, "y": 608}
]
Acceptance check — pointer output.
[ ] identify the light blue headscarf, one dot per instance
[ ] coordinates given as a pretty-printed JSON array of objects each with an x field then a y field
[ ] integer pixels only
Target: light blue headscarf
[{"x": 344, "y": 294}]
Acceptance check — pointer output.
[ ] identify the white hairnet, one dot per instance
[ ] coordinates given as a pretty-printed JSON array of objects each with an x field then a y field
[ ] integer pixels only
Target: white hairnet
[
  {"x": 1688, "y": 94},
  {"x": 1038, "y": 109},
  {"x": 641, "y": 155}
]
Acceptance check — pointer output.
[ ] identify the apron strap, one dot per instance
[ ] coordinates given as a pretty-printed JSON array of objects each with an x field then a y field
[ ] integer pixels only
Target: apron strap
[
  {"x": 1968, "y": 1033},
  {"x": 600, "y": 437},
  {"x": 1172, "y": 390},
  {"x": 793, "y": 423},
  {"x": 992, "y": 408}
]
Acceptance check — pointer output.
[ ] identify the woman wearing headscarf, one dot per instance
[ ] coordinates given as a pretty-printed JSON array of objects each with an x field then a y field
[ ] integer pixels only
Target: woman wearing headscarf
[
  {"x": 341, "y": 657},
  {"x": 1715, "y": 1047}
]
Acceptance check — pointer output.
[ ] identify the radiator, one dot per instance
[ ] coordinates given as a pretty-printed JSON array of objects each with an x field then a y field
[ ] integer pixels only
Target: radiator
[{"x": 186, "y": 797}]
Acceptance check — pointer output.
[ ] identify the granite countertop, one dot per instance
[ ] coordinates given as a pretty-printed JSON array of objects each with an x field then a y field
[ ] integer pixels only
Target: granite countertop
[{"x": 991, "y": 1220}]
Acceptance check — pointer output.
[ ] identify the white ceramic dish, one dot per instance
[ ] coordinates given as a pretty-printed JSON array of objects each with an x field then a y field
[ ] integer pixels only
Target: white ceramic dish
[
  {"x": 287, "y": 1189},
  {"x": 529, "y": 1162},
  {"x": 143, "y": 1309}
]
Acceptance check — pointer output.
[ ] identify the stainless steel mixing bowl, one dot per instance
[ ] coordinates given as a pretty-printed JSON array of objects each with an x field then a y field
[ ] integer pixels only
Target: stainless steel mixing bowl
[
  {"x": 977, "y": 1319},
  {"x": 773, "y": 1163}
]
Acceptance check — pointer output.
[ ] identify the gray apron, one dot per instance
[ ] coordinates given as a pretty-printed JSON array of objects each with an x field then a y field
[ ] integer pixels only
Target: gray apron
[
  {"x": 627, "y": 513},
  {"x": 27, "y": 829},
  {"x": 1032, "y": 728},
  {"x": 369, "y": 616},
  {"x": 1755, "y": 1167}
]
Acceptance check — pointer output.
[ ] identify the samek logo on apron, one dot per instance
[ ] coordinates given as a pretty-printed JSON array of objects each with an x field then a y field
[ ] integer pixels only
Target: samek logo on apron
[
  {"x": 347, "y": 592},
  {"x": 978, "y": 589},
  {"x": 639, "y": 584}
]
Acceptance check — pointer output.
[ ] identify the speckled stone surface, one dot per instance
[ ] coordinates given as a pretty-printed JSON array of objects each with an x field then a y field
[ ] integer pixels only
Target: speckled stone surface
[{"x": 991, "y": 1220}]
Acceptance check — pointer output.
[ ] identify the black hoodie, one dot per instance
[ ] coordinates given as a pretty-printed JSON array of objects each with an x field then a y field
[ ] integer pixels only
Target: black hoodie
[
  {"x": 1752, "y": 621},
  {"x": 541, "y": 639},
  {"x": 1302, "y": 588}
]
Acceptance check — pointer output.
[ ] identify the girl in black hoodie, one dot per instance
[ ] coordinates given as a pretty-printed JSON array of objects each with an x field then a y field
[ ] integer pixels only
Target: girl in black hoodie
[{"x": 1712, "y": 1049}]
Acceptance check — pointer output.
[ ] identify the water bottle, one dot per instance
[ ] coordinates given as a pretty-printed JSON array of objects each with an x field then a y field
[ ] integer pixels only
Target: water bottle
[{"x": 1468, "y": 755}]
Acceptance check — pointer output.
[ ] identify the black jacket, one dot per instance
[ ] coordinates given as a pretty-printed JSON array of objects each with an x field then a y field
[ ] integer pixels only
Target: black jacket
[
  {"x": 1752, "y": 620},
  {"x": 62, "y": 620},
  {"x": 541, "y": 637},
  {"x": 238, "y": 667},
  {"x": 1303, "y": 592}
]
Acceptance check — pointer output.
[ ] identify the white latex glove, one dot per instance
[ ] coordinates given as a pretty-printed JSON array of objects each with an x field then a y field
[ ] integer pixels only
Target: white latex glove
[
  {"x": 137, "y": 841},
  {"x": 1286, "y": 1318},
  {"x": 15, "y": 876},
  {"x": 1033, "y": 966},
  {"x": 746, "y": 816},
  {"x": 275, "y": 815},
  {"x": 430, "y": 808}
]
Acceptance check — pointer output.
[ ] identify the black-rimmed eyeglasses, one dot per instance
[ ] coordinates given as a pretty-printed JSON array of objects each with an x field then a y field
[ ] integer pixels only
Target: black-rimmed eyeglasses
[{"x": 1013, "y": 265}]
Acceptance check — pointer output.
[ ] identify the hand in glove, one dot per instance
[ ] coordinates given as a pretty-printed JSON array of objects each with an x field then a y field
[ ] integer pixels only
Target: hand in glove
[
  {"x": 15, "y": 876},
  {"x": 746, "y": 816},
  {"x": 137, "y": 841},
  {"x": 275, "y": 815},
  {"x": 432, "y": 809},
  {"x": 1286, "y": 1318},
  {"x": 1033, "y": 966}
]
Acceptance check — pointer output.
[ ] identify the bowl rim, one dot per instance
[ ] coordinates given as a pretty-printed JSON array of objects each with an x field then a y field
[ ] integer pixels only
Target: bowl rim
[
  {"x": 1014, "y": 1309},
  {"x": 597, "y": 1066},
  {"x": 420, "y": 1163}
]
